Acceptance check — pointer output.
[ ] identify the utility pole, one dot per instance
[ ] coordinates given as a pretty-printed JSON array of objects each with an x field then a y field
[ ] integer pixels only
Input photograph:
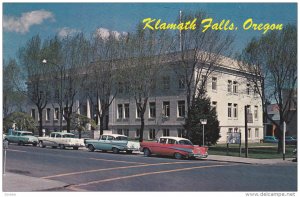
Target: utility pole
[
  {"x": 246, "y": 131},
  {"x": 283, "y": 141}
]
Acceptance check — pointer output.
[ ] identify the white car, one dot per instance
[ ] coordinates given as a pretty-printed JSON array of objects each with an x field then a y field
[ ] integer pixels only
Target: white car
[{"x": 61, "y": 140}]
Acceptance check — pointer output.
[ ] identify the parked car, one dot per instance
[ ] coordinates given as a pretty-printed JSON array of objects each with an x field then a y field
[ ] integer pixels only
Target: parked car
[
  {"x": 61, "y": 140},
  {"x": 290, "y": 140},
  {"x": 112, "y": 142},
  {"x": 270, "y": 139},
  {"x": 174, "y": 146},
  {"x": 22, "y": 138}
]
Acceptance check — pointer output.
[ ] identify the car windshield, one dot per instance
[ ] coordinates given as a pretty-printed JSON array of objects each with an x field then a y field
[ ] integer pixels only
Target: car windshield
[
  {"x": 185, "y": 142},
  {"x": 27, "y": 134}
]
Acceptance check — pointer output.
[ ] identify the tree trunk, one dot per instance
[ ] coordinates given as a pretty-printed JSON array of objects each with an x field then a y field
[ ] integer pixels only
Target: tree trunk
[
  {"x": 40, "y": 122},
  {"x": 68, "y": 124},
  {"x": 101, "y": 124},
  {"x": 142, "y": 128}
]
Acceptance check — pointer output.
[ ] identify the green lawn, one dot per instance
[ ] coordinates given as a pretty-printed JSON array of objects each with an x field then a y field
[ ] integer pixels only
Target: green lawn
[{"x": 257, "y": 150}]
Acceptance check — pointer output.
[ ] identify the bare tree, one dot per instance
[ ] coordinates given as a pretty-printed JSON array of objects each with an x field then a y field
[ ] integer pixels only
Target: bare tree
[
  {"x": 75, "y": 57},
  {"x": 102, "y": 74},
  {"x": 272, "y": 63},
  {"x": 145, "y": 50},
  {"x": 199, "y": 55}
]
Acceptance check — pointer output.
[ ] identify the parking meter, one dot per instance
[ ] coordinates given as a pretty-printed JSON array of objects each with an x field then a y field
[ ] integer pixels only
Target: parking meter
[{"x": 5, "y": 147}]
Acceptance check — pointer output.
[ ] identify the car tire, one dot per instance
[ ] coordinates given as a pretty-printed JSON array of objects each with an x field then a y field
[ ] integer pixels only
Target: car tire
[
  {"x": 147, "y": 152},
  {"x": 91, "y": 148},
  {"x": 129, "y": 151},
  {"x": 41, "y": 144},
  {"x": 178, "y": 156},
  {"x": 35, "y": 144},
  {"x": 21, "y": 143},
  {"x": 61, "y": 146},
  {"x": 75, "y": 148},
  {"x": 115, "y": 150}
]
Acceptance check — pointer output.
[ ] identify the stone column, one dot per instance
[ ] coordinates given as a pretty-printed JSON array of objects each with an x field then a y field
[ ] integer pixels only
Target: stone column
[{"x": 88, "y": 113}]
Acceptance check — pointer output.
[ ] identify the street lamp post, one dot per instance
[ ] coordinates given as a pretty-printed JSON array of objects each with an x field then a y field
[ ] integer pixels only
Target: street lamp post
[
  {"x": 61, "y": 84},
  {"x": 203, "y": 122}
]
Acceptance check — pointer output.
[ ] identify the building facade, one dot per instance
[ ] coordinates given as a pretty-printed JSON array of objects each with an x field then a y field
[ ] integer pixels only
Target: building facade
[{"x": 227, "y": 87}]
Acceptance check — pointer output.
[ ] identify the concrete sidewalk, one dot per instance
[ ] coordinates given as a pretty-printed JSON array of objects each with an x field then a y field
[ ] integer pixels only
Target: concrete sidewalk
[
  {"x": 12, "y": 182},
  {"x": 250, "y": 160}
]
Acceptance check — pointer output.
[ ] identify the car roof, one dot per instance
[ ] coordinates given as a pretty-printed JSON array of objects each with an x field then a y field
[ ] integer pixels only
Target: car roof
[
  {"x": 174, "y": 138},
  {"x": 62, "y": 133},
  {"x": 23, "y": 131},
  {"x": 114, "y": 135}
]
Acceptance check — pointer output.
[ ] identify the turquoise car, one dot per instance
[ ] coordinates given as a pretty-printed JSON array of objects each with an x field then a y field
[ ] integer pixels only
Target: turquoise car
[
  {"x": 22, "y": 138},
  {"x": 112, "y": 142}
]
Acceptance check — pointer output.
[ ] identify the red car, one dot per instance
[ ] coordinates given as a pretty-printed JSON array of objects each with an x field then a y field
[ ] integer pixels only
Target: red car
[{"x": 174, "y": 146}]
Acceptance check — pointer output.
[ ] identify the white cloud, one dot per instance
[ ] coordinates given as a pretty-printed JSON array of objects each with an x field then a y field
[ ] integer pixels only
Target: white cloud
[
  {"x": 22, "y": 24},
  {"x": 66, "y": 31},
  {"x": 105, "y": 33}
]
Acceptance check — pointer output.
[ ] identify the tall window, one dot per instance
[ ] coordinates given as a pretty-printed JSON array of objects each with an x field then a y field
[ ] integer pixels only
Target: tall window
[
  {"x": 229, "y": 86},
  {"x": 48, "y": 110},
  {"x": 181, "y": 82},
  {"x": 249, "y": 133},
  {"x": 138, "y": 113},
  {"x": 235, "y": 110},
  {"x": 255, "y": 91},
  {"x": 120, "y": 111},
  {"x": 214, "y": 83},
  {"x": 180, "y": 133},
  {"x": 214, "y": 105},
  {"x": 137, "y": 133},
  {"x": 256, "y": 112},
  {"x": 204, "y": 82},
  {"x": 229, "y": 111},
  {"x": 166, "y": 82},
  {"x": 119, "y": 131},
  {"x": 126, "y": 132},
  {"x": 166, "y": 108},
  {"x": 248, "y": 89},
  {"x": 181, "y": 108},
  {"x": 152, "y": 110},
  {"x": 235, "y": 87},
  {"x": 256, "y": 133},
  {"x": 166, "y": 132},
  {"x": 56, "y": 114},
  {"x": 33, "y": 113},
  {"x": 126, "y": 110},
  {"x": 151, "y": 134}
]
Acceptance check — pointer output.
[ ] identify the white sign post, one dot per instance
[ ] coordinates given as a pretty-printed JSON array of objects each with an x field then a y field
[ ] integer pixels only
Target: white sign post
[
  {"x": 203, "y": 122},
  {"x": 283, "y": 141}
]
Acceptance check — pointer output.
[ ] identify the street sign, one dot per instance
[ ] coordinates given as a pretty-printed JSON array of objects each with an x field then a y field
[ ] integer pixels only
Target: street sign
[
  {"x": 233, "y": 138},
  {"x": 203, "y": 121}
]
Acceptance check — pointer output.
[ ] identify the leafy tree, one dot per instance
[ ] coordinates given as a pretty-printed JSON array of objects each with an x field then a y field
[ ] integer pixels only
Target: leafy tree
[
  {"x": 13, "y": 100},
  {"x": 203, "y": 110},
  {"x": 35, "y": 74},
  {"x": 79, "y": 122},
  {"x": 22, "y": 121}
]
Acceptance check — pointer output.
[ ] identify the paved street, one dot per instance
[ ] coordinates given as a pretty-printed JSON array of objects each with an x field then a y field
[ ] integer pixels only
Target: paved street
[{"x": 96, "y": 171}]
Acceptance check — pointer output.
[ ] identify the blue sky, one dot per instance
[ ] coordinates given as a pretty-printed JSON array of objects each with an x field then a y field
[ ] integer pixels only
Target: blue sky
[{"x": 21, "y": 21}]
